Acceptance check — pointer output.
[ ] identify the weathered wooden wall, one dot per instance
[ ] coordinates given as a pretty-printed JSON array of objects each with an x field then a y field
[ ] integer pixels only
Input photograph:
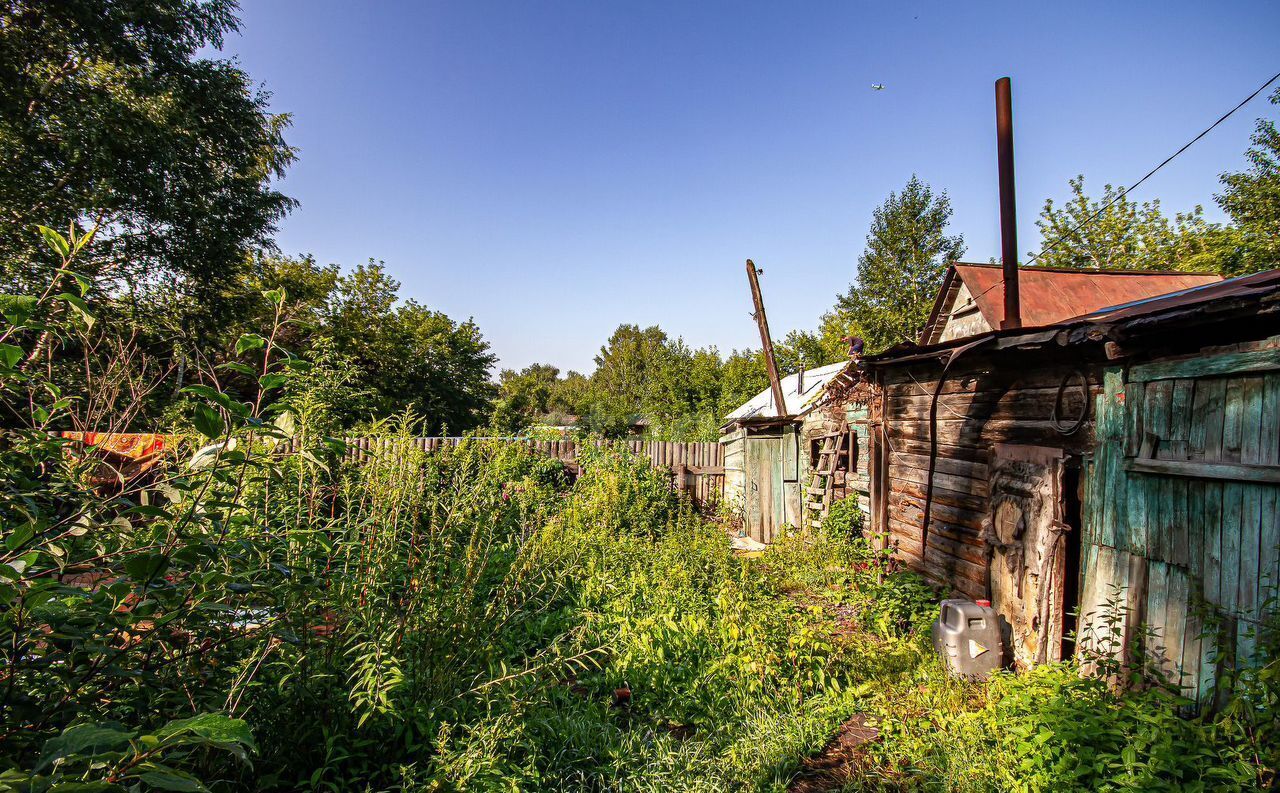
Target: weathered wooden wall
[
  {"x": 768, "y": 468},
  {"x": 698, "y": 469},
  {"x": 849, "y": 416},
  {"x": 984, "y": 401},
  {"x": 1180, "y": 522}
]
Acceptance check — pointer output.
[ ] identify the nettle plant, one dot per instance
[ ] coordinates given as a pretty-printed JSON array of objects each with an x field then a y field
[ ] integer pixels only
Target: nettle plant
[{"x": 134, "y": 609}]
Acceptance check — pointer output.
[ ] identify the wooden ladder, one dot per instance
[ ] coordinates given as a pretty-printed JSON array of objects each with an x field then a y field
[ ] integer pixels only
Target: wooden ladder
[{"x": 821, "y": 488}]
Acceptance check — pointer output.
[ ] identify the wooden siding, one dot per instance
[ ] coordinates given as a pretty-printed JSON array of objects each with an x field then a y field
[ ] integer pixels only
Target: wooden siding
[
  {"x": 1180, "y": 522},
  {"x": 982, "y": 403}
]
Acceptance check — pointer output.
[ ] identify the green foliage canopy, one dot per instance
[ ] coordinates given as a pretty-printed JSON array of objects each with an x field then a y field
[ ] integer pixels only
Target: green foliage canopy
[
  {"x": 1252, "y": 199},
  {"x": 1115, "y": 233},
  {"x": 899, "y": 273},
  {"x": 109, "y": 116}
]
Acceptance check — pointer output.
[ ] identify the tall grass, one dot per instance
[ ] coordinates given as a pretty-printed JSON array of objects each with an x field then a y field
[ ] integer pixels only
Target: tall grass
[{"x": 261, "y": 616}]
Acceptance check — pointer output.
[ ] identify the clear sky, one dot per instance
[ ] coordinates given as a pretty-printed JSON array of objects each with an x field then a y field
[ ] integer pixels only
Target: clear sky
[{"x": 553, "y": 169}]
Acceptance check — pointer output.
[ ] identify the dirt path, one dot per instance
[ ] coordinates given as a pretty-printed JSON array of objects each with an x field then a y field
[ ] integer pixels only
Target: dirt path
[{"x": 833, "y": 767}]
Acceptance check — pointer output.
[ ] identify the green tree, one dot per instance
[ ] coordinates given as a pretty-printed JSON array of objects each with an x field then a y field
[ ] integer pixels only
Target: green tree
[
  {"x": 1252, "y": 199},
  {"x": 109, "y": 116},
  {"x": 743, "y": 375},
  {"x": 620, "y": 380},
  {"x": 571, "y": 395},
  {"x": 410, "y": 356},
  {"x": 1114, "y": 233},
  {"x": 682, "y": 393},
  {"x": 907, "y": 253},
  {"x": 524, "y": 397}
]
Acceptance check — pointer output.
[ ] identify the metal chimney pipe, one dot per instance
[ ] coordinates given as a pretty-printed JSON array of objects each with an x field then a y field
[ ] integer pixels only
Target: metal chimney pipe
[{"x": 1008, "y": 205}]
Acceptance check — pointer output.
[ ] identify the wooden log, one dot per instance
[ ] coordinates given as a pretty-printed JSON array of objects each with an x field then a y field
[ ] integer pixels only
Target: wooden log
[
  {"x": 943, "y": 464},
  {"x": 957, "y": 484}
]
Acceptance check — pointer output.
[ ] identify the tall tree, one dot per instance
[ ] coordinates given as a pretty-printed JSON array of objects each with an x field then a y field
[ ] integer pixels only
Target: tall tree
[
  {"x": 1252, "y": 199},
  {"x": 1112, "y": 232},
  {"x": 899, "y": 273},
  {"x": 109, "y": 116},
  {"x": 623, "y": 367},
  {"x": 410, "y": 356}
]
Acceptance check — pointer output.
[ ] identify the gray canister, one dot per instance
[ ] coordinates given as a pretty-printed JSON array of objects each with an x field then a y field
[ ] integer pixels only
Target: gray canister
[{"x": 967, "y": 636}]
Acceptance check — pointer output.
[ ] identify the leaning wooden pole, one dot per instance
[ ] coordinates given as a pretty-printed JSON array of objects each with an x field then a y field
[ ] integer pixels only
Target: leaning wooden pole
[{"x": 762, "y": 322}]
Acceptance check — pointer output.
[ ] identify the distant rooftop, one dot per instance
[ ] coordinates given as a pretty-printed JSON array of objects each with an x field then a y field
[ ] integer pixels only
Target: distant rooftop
[{"x": 797, "y": 401}]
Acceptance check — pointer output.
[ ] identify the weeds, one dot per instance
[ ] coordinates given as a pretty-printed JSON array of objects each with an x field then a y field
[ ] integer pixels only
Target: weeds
[{"x": 262, "y": 616}]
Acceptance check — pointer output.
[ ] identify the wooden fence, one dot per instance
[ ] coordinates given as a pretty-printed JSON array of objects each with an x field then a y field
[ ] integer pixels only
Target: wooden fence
[{"x": 697, "y": 468}]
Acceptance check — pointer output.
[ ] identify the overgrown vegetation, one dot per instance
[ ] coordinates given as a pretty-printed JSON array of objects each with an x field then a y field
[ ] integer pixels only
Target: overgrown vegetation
[{"x": 259, "y": 615}]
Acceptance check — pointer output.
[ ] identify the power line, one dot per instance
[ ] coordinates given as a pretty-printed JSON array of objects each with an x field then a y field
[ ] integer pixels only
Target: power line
[{"x": 1152, "y": 172}]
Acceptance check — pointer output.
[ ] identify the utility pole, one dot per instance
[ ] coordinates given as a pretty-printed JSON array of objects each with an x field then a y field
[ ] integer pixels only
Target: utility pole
[
  {"x": 762, "y": 322},
  {"x": 1008, "y": 205}
]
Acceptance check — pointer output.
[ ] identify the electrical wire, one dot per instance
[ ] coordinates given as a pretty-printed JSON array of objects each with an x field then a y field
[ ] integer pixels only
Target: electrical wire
[{"x": 1152, "y": 172}]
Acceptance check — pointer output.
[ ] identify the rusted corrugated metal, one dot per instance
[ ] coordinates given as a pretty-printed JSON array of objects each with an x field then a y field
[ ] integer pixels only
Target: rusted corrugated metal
[{"x": 972, "y": 295}]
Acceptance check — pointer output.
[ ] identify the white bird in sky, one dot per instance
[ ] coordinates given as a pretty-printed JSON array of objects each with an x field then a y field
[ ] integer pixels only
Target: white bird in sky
[{"x": 877, "y": 86}]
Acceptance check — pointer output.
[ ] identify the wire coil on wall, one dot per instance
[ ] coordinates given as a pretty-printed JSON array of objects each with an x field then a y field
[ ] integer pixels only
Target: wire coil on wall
[{"x": 1072, "y": 425}]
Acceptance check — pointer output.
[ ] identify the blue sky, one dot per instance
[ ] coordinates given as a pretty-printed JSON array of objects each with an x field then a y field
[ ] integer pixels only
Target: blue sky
[{"x": 553, "y": 169}]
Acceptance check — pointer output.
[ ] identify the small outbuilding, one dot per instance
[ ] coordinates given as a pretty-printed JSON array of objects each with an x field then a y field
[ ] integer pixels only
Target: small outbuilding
[
  {"x": 785, "y": 467},
  {"x": 1116, "y": 458}
]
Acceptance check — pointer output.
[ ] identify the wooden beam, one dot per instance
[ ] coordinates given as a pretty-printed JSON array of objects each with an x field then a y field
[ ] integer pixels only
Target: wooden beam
[
  {"x": 1264, "y": 360},
  {"x": 762, "y": 322},
  {"x": 1234, "y": 472}
]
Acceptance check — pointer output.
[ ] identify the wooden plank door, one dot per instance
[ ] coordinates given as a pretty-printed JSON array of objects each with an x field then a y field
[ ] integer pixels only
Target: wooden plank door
[
  {"x": 763, "y": 485},
  {"x": 1025, "y": 536}
]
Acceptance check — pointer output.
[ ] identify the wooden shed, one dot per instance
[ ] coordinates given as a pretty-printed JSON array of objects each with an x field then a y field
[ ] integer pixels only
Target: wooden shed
[
  {"x": 1129, "y": 455},
  {"x": 785, "y": 468}
]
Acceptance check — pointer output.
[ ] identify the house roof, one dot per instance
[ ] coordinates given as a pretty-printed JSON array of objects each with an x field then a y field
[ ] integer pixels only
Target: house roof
[
  {"x": 798, "y": 401},
  {"x": 1249, "y": 302},
  {"x": 1050, "y": 295}
]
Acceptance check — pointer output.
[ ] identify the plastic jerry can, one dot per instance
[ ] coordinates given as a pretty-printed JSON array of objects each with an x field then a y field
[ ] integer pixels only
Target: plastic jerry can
[{"x": 967, "y": 636}]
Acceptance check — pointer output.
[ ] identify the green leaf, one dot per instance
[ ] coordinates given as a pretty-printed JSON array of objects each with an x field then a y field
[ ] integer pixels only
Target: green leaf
[
  {"x": 208, "y": 421},
  {"x": 83, "y": 739},
  {"x": 56, "y": 242},
  {"x": 217, "y": 397},
  {"x": 85, "y": 239},
  {"x": 206, "y": 456},
  {"x": 249, "y": 341},
  {"x": 10, "y": 355},
  {"x": 274, "y": 296},
  {"x": 17, "y": 309},
  {"x": 212, "y": 727},
  {"x": 19, "y": 537},
  {"x": 80, "y": 307},
  {"x": 82, "y": 281},
  {"x": 270, "y": 381},
  {"x": 286, "y": 423},
  {"x": 236, "y": 366},
  {"x": 144, "y": 567},
  {"x": 165, "y": 778}
]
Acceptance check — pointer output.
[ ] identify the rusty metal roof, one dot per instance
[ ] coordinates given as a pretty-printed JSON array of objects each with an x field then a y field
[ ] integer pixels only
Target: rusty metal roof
[
  {"x": 1052, "y": 295},
  {"x": 1249, "y": 303},
  {"x": 1244, "y": 286}
]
